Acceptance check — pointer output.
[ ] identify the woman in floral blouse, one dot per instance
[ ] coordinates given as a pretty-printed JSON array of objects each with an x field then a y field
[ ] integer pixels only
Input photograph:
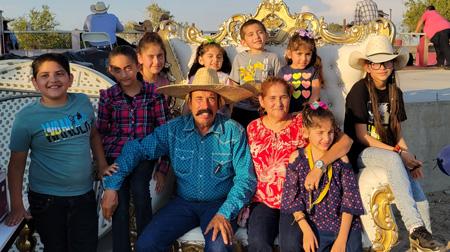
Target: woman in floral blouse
[{"x": 272, "y": 139}]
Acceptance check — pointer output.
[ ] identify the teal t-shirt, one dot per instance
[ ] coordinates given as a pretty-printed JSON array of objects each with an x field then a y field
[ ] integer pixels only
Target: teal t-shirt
[{"x": 59, "y": 140}]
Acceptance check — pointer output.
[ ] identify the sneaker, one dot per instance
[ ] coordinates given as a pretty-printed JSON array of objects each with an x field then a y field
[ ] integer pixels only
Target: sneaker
[{"x": 421, "y": 240}]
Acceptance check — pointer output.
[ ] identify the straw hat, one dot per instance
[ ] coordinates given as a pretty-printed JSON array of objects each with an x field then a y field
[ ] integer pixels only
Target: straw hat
[
  {"x": 206, "y": 79},
  {"x": 99, "y": 7},
  {"x": 379, "y": 49}
]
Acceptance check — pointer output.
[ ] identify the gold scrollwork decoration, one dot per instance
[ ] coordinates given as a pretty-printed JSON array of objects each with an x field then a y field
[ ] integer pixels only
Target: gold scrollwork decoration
[
  {"x": 280, "y": 23},
  {"x": 386, "y": 234}
]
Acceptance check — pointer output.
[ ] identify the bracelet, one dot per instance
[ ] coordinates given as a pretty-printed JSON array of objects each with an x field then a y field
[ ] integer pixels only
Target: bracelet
[
  {"x": 398, "y": 149},
  {"x": 299, "y": 217}
]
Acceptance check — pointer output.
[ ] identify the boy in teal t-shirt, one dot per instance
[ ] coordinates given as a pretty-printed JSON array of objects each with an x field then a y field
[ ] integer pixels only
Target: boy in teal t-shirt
[{"x": 59, "y": 131}]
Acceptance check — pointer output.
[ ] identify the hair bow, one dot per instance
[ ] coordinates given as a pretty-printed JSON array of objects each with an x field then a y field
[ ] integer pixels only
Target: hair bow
[
  {"x": 210, "y": 40},
  {"x": 315, "y": 105},
  {"x": 305, "y": 33}
]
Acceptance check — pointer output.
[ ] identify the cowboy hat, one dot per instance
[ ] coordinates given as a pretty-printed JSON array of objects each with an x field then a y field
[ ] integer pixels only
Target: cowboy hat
[
  {"x": 206, "y": 79},
  {"x": 99, "y": 7},
  {"x": 378, "y": 50}
]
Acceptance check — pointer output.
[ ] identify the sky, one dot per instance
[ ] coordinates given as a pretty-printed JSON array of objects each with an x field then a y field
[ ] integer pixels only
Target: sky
[{"x": 206, "y": 14}]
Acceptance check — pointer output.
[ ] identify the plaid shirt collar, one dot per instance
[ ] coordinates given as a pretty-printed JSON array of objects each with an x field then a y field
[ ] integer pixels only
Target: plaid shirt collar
[
  {"x": 217, "y": 127},
  {"x": 118, "y": 91}
]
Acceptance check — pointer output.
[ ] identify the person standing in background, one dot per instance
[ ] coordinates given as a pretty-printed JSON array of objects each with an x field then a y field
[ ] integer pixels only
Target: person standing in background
[
  {"x": 437, "y": 29},
  {"x": 365, "y": 11},
  {"x": 102, "y": 21}
]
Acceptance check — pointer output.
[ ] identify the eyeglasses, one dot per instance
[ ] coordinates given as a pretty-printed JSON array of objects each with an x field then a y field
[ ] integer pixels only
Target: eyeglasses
[{"x": 386, "y": 65}]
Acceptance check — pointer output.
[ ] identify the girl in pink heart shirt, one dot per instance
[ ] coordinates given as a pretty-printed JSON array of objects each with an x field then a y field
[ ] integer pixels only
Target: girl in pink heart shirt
[{"x": 303, "y": 70}]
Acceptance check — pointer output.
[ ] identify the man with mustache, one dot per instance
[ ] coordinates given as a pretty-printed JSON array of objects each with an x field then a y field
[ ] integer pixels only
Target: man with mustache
[{"x": 211, "y": 161}]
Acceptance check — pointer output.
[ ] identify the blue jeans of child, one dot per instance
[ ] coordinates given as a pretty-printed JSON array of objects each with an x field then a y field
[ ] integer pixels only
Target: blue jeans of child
[
  {"x": 291, "y": 237},
  {"x": 262, "y": 227},
  {"x": 139, "y": 183},
  {"x": 326, "y": 240},
  {"x": 65, "y": 223},
  {"x": 175, "y": 219},
  {"x": 266, "y": 223}
]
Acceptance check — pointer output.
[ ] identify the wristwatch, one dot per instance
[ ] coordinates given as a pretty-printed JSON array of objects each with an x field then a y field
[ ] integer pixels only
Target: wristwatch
[{"x": 320, "y": 165}]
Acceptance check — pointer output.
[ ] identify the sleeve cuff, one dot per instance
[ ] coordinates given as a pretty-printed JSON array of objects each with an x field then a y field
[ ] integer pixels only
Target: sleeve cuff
[
  {"x": 292, "y": 210},
  {"x": 352, "y": 211}
]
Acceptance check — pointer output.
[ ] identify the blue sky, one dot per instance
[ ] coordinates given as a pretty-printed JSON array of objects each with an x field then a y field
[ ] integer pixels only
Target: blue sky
[{"x": 206, "y": 14}]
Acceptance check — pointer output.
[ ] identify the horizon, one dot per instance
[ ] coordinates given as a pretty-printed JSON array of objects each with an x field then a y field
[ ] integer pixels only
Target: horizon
[{"x": 72, "y": 17}]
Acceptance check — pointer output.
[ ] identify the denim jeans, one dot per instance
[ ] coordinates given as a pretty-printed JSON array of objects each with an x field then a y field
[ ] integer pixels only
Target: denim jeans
[
  {"x": 65, "y": 223},
  {"x": 139, "y": 183},
  {"x": 326, "y": 240},
  {"x": 409, "y": 197},
  {"x": 262, "y": 227},
  {"x": 175, "y": 219},
  {"x": 291, "y": 236}
]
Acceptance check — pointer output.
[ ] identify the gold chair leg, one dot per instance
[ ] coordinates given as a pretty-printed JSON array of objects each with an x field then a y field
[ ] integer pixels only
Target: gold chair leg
[
  {"x": 380, "y": 208},
  {"x": 26, "y": 241}
]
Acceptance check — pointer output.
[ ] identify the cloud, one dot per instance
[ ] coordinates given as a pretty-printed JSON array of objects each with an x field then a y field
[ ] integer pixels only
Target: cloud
[
  {"x": 306, "y": 8},
  {"x": 337, "y": 10}
]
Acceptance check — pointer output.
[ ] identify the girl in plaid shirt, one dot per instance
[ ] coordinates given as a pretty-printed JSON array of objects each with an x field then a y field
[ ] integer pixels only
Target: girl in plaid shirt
[{"x": 130, "y": 110}]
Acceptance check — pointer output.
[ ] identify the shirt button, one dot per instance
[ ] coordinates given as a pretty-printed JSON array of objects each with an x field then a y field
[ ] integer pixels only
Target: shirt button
[
  {"x": 202, "y": 141},
  {"x": 201, "y": 158},
  {"x": 200, "y": 176}
]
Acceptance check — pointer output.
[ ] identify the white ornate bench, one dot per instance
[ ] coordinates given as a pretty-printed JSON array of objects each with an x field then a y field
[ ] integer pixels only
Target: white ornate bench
[{"x": 334, "y": 49}]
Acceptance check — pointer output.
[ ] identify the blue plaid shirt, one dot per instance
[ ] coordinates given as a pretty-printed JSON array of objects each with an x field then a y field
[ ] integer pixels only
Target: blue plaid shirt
[{"x": 215, "y": 166}]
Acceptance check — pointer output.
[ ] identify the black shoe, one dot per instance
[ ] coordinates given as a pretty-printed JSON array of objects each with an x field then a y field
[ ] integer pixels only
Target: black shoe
[
  {"x": 421, "y": 240},
  {"x": 447, "y": 67}
]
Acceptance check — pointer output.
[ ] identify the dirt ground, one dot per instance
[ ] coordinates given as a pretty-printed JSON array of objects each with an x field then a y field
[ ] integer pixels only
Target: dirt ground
[{"x": 440, "y": 220}]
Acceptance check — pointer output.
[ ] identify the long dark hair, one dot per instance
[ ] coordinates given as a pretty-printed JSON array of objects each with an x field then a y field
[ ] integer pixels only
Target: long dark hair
[
  {"x": 153, "y": 38},
  {"x": 127, "y": 51},
  {"x": 394, "y": 104},
  {"x": 202, "y": 49},
  {"x": 297, "y": 41}
]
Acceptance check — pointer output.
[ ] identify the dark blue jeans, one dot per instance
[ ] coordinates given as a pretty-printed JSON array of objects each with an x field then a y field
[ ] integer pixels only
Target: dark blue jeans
[
  {"x": 326, "y": 240},
  {"x": 291, "y": 236},
  {"x": 262, "y": 227},
  {"x": 139, "y": 183},
  {"x": 175, "y": 219},
  {"x": 441, "y": 46},
  {"x": 291, "y": 239},
  {"x": 67, "y": 223}
]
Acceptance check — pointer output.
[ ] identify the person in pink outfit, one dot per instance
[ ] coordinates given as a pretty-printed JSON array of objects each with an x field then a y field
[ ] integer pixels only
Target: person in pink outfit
[{"x": 437, "y": 29}]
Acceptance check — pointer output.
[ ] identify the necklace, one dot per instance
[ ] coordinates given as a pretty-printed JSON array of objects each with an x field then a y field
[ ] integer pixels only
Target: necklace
[{"x": 325, "y": 190}]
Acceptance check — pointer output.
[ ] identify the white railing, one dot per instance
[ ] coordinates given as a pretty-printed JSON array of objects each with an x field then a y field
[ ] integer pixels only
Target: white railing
[{"x": 73, "y": 42}]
